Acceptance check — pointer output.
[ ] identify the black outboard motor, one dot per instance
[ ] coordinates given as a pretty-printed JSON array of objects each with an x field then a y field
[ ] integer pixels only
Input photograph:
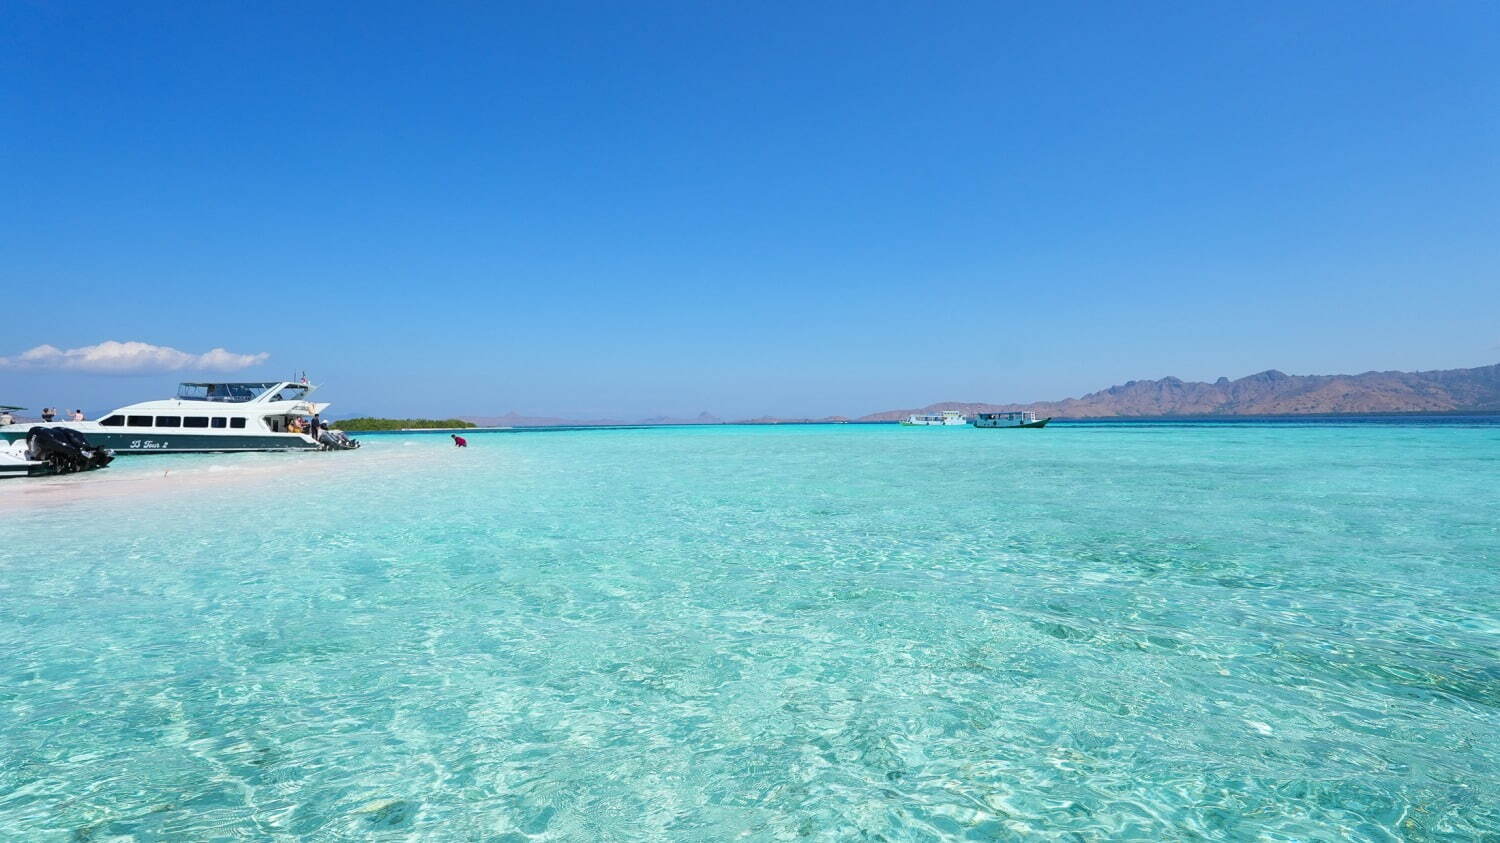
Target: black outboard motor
[
  {"x": 336, "y": 440},
  {"x": 65, "y": 450}
]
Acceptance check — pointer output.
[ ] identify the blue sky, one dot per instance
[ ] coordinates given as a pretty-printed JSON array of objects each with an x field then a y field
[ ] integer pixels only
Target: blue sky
[{"x": 628, "y": 209}]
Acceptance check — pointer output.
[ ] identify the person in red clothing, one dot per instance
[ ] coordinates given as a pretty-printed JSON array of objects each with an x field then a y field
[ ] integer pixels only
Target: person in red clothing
[{"x": 459, "y": 441}]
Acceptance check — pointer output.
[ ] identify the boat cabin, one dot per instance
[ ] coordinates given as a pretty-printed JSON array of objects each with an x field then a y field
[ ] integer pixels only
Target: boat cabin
[
  {"x": 945, "y": 418},
  {"x": 1014, "y": 418},
  {"x": 243, "y": 393},
  {"x": 209, "y": 407},
  {"x": 1022, "y": 417}
]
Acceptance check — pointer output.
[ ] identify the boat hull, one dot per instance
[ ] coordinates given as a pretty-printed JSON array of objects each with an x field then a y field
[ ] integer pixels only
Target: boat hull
[
  {"x": 24, "y": 469},
  {"x": 34, "y": 468},
  {"x": 166, "y": 442}
]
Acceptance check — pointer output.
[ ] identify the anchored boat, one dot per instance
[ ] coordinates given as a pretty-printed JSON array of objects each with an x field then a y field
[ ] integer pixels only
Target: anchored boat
[
  {"x": 210, "y": 417},
  {"x": 1020, "y": 418},
  {"x": 947, "y": 418},
  {"x": 47, "y": 451}
]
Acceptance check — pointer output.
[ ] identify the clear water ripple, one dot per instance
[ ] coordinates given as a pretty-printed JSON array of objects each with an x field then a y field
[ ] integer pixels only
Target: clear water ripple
[{"x": 1159, "y": 631}]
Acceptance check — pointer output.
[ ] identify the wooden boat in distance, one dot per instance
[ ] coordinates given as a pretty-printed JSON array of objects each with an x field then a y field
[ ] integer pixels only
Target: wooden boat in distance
[{"x": 1020, "y": 418}]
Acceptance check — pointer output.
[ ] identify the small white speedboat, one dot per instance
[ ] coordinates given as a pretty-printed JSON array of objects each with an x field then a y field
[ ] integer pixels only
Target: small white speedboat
[
  {"x": 16, "y": 461},
  {"x": 48, "y": 451}
]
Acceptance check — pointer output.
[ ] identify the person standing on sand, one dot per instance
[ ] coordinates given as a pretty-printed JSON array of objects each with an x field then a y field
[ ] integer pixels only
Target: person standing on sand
[{"x": 459, "y": 441}]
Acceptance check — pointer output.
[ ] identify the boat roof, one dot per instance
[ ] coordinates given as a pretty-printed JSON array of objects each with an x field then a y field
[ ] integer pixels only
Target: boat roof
[
  {"x": 243, "y": 392},
  {"x": 240, "y": 383},
  {"x": 9, "y": 407}
]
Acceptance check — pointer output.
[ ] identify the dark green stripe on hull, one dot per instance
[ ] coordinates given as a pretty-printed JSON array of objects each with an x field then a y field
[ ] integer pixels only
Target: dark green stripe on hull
[
  {"x": 128, "y": 444},
  {"x": 189, "y": 443},
  {"x": 23, "y": 471}
]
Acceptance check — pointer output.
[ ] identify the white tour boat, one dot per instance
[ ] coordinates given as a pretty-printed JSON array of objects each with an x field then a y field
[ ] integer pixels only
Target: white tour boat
[
  {"x": 947, "y": 418},
  {"x": 1020, "y": 418},
  {"x": 208, "y": 417}
]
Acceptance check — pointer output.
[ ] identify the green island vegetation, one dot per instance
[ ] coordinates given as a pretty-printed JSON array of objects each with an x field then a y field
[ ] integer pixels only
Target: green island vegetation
[{"x": 365, "y": 423}]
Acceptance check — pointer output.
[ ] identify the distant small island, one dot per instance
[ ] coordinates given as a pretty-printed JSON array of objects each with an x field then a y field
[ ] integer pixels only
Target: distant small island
[{"x": 365, "y": 423}]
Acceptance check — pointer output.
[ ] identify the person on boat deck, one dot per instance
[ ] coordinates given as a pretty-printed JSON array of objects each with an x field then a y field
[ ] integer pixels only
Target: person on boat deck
[
  {"x": 294, "y": 426},
  {"x": 459, "y": 441},
  {"x": 77, "y": 415},
  {"x": 48, "y": 414},
  {"x": 6, "y": 417}
]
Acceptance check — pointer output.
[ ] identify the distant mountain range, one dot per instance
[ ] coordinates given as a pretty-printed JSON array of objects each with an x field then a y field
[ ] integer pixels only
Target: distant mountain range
[{"x": 1268, "y": 393}]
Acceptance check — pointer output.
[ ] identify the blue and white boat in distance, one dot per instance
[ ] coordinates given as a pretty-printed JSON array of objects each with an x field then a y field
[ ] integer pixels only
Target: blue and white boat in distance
[
  {"x": 206, "y": 417},
  {"x": 1018, "y": 418},
  {"x": 947, "y": 418}
]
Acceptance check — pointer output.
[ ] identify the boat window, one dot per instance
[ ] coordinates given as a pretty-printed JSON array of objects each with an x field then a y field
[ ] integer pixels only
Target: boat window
[
  {"x": 236, "y": 423},
  {"x": 169, "y": 421},
  {"x": 140, "y": 421},
  {"x": 291, "y": 393},
  {"x": 219, "y": 421},
  {"x": 230, "y": 392},
  {"x": 113, "y": 421},
  {"x": 195, "y": 421}
]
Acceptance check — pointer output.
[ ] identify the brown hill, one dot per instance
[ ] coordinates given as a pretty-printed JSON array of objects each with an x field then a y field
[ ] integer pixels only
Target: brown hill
[{"x": 1267, "y": 393}]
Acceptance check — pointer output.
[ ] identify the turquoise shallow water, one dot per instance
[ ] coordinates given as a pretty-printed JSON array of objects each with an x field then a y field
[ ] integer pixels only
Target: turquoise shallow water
[{"x": 1163, "y": 632}]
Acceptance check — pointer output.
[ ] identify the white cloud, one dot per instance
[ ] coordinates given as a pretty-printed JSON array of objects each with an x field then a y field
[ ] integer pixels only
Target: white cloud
[{"x": 129, "y": 358}]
